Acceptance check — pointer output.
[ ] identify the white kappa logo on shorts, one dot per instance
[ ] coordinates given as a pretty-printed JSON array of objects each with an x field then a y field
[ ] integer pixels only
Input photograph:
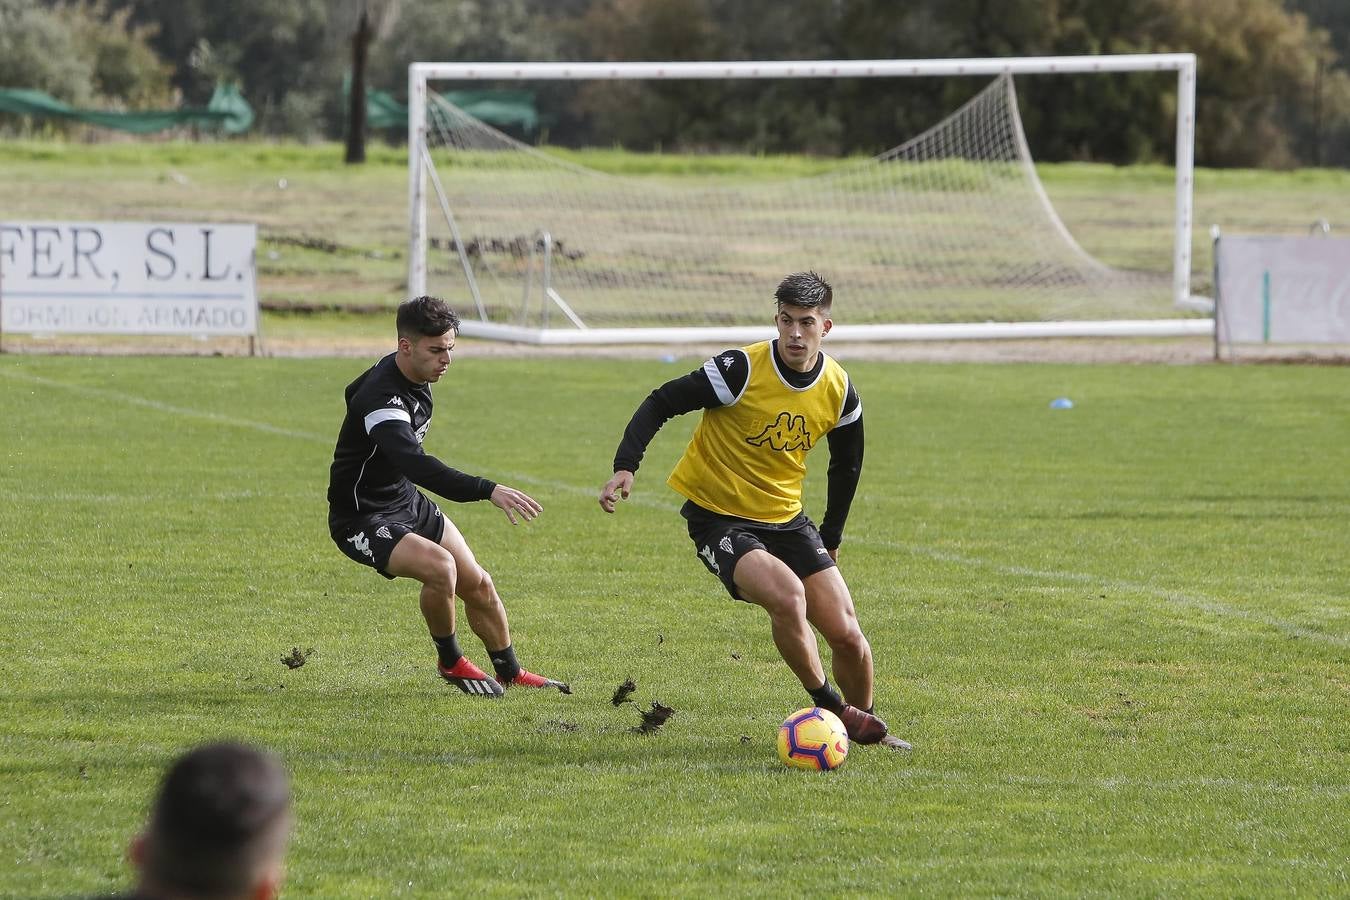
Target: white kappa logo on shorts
[
  {"x": 708, "y": 557},
  {"x": 361, "y": 543}
]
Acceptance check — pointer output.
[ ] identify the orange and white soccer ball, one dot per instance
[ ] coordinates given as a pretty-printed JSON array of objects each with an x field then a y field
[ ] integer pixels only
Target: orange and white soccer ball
[{"x": 813, "y": 738}]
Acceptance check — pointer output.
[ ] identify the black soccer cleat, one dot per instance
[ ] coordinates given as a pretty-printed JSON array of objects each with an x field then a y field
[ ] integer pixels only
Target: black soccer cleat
[{"x": 470, "y": 679}]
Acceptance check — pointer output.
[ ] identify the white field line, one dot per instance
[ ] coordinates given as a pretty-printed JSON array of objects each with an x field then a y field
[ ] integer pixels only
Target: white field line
[
  {"x": 1200, "y": 602},
  {"x": 141, "y": 496},
  {"x": 1330, "y": 791},
  {"x": 184, "y": 411},
  {"x": 1195, "y": 601}
]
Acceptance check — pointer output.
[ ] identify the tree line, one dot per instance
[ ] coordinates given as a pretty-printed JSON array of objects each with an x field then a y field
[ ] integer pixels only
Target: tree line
[{"x": 1273, "y": 89}]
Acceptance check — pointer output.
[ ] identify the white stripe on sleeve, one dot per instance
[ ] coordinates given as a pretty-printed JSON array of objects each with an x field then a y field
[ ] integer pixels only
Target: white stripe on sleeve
[
  {"x": 385, "y": 415},
  {"x": 849, "y": 418},
  {"x": 719, "y": 383}
]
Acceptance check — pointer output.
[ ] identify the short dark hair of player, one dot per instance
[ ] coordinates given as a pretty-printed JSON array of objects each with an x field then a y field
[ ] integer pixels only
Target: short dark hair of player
[
  {"x": 805, "y": 289},
  {"x": 221, "y": 818},
  {"x": 426, "y": 317}
]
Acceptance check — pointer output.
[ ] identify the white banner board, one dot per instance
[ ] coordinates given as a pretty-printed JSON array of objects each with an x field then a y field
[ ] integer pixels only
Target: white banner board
[
  {"x": 128, "y": 278},
  {"x": 1285, "y": 290}
]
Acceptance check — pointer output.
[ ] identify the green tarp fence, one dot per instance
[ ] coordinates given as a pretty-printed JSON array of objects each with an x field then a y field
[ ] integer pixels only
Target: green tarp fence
[
  {"x": 499, "y": 108},
  {"x": 227, "y": 110}
]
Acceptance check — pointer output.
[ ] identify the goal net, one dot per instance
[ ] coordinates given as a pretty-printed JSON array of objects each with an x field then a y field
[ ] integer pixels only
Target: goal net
[{"x": 947, "y": 234}]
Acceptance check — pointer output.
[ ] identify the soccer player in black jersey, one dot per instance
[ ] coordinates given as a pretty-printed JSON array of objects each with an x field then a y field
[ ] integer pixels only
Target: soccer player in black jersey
[
  {"x": 378, "y": 517},
  {"x": 765, "y": 406}
]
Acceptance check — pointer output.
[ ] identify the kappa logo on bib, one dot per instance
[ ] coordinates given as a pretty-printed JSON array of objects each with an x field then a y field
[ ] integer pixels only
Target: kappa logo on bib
[{"x": 788, "y": 432}]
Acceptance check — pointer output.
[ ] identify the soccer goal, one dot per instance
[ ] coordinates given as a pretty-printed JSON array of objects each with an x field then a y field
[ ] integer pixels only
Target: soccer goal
[{"x": 949, "y": 234}]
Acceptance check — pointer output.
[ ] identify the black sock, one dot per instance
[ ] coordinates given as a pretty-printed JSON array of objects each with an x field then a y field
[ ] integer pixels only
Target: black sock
[
  {"x": 504, "y": 661},
  {"x": 826, "y": 697},
  {"x": 447, "y": 648}
]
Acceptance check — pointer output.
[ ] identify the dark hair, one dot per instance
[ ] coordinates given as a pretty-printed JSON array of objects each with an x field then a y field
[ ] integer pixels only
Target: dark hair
[
  {"x": 221, "y": 816},
  {"x": 426, "y": 317},
  {"x": 805, "y": 289}
]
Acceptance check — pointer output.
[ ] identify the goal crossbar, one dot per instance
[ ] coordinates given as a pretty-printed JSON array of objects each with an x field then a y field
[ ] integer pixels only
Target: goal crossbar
[
  {"x": 1184, "y": 64},
  {"x": 845, "y": 68},
  {"x": 937, "y": 331}
]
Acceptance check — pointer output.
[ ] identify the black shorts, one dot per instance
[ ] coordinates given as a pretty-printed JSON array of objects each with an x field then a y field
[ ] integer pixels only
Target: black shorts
[
  {"x": 721, "y": 541},
  {"x": 370, "y": 539}
]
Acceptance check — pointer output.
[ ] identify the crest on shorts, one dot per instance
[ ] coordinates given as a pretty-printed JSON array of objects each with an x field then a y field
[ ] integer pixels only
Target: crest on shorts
[
  {"x": 725, "y": 544},
  {"x": 383, "y": 531}
]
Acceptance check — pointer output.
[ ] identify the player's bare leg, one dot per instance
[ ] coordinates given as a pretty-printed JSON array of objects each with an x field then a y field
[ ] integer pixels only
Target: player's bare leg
[
  {"x": 482, "y": 606},
  {"x": 436, "y": 567},
  {"x": 418, "y": 558},
  {"x": 486, "y": 613},
  {"x": 766, "y": 581},
  {"x": 829, "y": 607}
]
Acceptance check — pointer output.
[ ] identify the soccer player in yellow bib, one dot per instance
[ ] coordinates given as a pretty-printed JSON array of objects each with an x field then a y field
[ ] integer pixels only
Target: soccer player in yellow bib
[{"x": 765, "y": 407}]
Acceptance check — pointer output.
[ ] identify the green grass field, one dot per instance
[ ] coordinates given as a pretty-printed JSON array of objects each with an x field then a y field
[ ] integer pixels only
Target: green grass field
[{"x": 1117, "y": 636}]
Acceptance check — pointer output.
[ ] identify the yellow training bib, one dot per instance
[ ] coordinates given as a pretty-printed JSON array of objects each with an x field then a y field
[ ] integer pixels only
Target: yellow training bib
[{"x": 748, "y": 458}]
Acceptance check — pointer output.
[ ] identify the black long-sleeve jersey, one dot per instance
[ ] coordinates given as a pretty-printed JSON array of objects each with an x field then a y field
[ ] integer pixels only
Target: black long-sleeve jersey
[
  {"x": 696, "y": 391},
  {"x": 379, "y": 454}
]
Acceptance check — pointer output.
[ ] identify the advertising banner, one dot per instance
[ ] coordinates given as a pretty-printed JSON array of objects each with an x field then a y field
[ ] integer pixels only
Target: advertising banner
[
  {"x": 128, "y": 278},
  {"x": 1283, "y": 290}
]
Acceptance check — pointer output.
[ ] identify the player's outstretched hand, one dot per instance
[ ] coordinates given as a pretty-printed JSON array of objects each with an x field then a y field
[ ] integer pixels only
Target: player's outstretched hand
[
  {"x": 515, "y": 503},
  {"x": 618, "y": 486}
]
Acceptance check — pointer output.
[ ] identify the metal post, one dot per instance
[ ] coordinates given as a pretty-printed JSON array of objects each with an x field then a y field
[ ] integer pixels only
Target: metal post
[
  {"x": 417, "y": 182},
  {"x": 1215, "y": 236},
  {"x": 1181, "y": 248},
  {"x": 529, "y": 286},
  {"x": 2, "y": 304},
  {"x": 547, "y": 240},
  {"x": 1265, "y": 307}
]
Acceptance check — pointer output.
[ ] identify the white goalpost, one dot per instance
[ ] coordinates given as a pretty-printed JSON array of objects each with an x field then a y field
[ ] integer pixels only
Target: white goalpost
[{"x": 949, "y": 235}]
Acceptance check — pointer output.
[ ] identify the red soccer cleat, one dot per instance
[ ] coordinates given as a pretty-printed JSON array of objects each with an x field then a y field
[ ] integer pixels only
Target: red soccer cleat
[
  {"x": 470, "y": 679},
  {"x": 529, "y": 679},
  {"x": 862, "y": 727}
]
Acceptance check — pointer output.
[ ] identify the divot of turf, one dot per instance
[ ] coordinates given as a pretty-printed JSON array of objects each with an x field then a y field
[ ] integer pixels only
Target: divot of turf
[
  {"x": 622, "y": 692},
  {"x": 295, "y": 659},
  {"x": 654, "y": 718}
]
